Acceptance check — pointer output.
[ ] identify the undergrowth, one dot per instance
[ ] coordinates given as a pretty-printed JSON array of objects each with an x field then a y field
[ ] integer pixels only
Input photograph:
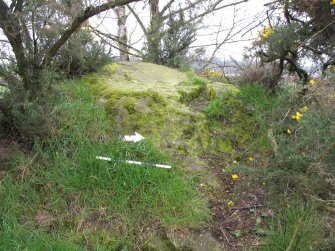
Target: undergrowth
[
  {"x": 298, "y": 175},
  {"x": 293, "y": 157},
  {"x": 244, "y": 114},
  {"x": 60, "y": 197},
  {"x": 294, "y": 228}
]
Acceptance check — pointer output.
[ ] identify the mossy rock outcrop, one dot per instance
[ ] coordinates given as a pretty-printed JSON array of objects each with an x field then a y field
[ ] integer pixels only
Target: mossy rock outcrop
[{"x": 151, "y": 100}]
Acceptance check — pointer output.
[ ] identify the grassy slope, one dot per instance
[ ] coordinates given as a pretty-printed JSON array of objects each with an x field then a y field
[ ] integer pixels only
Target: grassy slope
[
  {"x": 61, "y": 198},
  {"x": 67, "y": 196}
]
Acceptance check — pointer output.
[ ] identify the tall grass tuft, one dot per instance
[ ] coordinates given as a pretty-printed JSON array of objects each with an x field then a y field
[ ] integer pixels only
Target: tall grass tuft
[{"x": 294, "y": 228}]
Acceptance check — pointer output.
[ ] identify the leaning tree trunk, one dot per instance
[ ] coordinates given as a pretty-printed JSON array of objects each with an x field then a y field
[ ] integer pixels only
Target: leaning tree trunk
[
  {"x": 122, "y": 32},
  {"x": 154, "y": 35}
]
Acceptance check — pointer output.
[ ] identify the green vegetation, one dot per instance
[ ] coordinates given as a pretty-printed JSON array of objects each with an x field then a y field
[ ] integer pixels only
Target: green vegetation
[
  {"x": 252, "y": 160},
  {"x": 60, "y": 197},
  {"x": 155, "y": 103},
  {"x": 294, "y": 229},
  {"x": 244, "y": 115},
  {"x": 299, "y": 174},
  {"x": 294, "y": 157}
]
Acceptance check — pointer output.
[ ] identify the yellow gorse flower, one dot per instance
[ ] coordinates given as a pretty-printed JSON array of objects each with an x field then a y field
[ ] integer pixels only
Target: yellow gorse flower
[
  {"x": 234, "y": 176},
  {"x": 264, "y": 32},
  {"x": 297, "y": 116},
  {"x": 312, "y": 81},
  {"x": 332, "y": 2},
  {"x": 289, "y": 131},
  {"x": 230, "y": 203},
  {"x": 304, "y": 109}
]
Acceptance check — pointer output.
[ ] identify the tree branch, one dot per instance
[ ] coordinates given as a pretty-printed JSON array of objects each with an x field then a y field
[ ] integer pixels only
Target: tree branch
[
  {"x": 138, "y": 20},
  {"x": 212, "y": 8},
  {"x": 10, "y": 25},
  {"x": 89, "y": 12},
  {"x": 329, "y": 63},
  {"x": 166, "y": 7},
  {"x": 114, "y": 38},
  {"x": 192, "y": 5}
]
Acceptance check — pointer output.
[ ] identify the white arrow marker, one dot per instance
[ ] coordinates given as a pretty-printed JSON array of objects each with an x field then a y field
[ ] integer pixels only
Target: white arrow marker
[{"x": 133, "y": 138}]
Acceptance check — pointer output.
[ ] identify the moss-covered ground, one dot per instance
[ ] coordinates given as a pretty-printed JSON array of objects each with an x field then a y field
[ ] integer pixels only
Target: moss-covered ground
[
  {"x": 156, "y": 102},
  {"x": 206, "y": 125}
]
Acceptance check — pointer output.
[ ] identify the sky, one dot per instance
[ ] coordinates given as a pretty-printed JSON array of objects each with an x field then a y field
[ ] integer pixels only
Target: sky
[{"x": 246, "y": 14}]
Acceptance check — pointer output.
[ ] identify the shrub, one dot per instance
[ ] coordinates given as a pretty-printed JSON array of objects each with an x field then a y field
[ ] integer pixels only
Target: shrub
[
  {"x": 28, "y": 116},
  {"x": 306, "y": 156},
  {"x": 267, "y": 75},
  {"x": 81, "y": 55}
]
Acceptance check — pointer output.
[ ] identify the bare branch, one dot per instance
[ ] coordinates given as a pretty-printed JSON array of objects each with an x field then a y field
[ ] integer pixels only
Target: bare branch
[
  {"x": 166, "y": 7},
  {"x": 138, "y": 20},
  {"x": 114, "y": 38},
  {"x": 89, "y": 12},
  {"x": 190, "y": 6},
  {"x": 212, "y": 8}
]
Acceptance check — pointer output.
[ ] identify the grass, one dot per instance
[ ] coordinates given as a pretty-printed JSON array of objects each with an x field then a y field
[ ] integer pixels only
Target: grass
[
  {"x": 257, "y": 97},
  {"x": 60, "y": 197},
  {"x": 194, "y": 79},
  {"x": 301, "y": 169},
  {"x": 245, "y": 114},
  {"x": 294, "y": 228}
]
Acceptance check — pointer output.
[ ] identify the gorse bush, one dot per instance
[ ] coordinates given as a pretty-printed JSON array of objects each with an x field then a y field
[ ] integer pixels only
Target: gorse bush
[
  {"x": 27, "y": 117},
  {"x": 298, "y": 175},
  {"x": 303, "y": 161},
  {"x": 82, "y": 54},
  {"x": 306, "y": 155}
]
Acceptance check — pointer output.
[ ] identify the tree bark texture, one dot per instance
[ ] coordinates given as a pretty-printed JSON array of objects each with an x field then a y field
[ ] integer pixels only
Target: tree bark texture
[{"x": 122, "y": 32}]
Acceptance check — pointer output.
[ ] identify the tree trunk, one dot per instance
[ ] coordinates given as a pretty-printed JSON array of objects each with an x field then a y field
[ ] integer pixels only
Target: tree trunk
[
  {"x": 122, "y": 32},
  {"x": 154, "y": 33}
]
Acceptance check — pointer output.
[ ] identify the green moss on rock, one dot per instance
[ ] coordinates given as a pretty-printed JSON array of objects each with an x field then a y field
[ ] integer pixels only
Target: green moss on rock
[{"x": 149, "y": 103}]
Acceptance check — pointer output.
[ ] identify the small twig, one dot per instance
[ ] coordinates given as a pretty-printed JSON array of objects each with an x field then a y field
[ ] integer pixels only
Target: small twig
[
  {"x": 323, "y": 201},
  {"x": 288, "y": 112},
  {"x": 325, "y": 204},
  {"x": 25, "y": 167},
  {"x": 329, "y": 209},
  {"x": 223, "y": 233},
  {"x": 247, "y": 207}
]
